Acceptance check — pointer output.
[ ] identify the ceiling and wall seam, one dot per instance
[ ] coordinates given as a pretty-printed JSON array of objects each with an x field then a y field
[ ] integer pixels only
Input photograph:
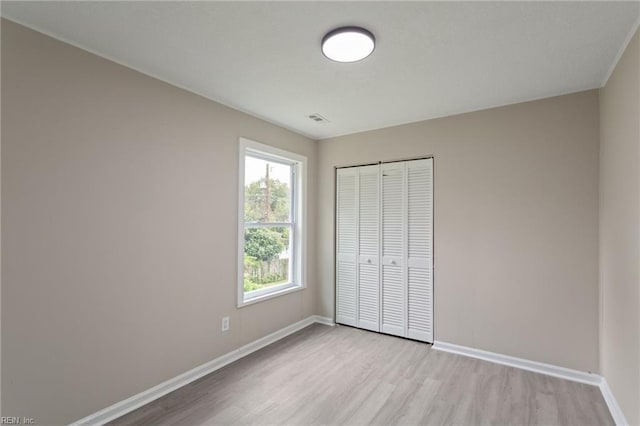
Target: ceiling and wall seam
[
  {"x": 515, "y": 61},
  {"x": 124, "y": 64},
  {"x": 229, "y": 105},
  {"x": 621, "y": 51},
  {"x": 454, "y": 114}
]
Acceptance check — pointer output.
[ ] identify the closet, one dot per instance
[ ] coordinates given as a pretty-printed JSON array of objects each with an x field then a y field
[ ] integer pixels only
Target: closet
[{"x": 384, "y": 248}]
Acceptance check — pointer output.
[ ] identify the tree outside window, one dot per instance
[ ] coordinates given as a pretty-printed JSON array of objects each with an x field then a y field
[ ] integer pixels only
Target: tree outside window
[{"x": 268, "y": 224}]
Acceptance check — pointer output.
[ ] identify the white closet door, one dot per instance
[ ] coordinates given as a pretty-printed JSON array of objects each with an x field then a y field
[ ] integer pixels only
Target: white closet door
[
  {"x": 420, "y": 249},
  {"x": 394, "y": 293},
  {"x": 368, "y": 247},
  {"x": 346, "y": 245}
]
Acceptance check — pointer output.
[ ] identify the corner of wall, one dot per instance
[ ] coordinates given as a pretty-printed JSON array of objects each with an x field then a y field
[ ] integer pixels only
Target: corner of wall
[
  {"x": 623, "y": 48},
  {"x": 619, "y": 275}
]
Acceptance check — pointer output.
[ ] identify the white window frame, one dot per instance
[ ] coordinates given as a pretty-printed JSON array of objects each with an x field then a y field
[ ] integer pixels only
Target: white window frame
[{"x": 299, "y": 203}]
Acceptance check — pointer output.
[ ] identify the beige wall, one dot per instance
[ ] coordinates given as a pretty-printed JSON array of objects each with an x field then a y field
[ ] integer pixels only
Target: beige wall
[
  {"x": 119, "y": 198},
  {"x": 620, "y": 231},
  {"x": 516, "y": 224}
]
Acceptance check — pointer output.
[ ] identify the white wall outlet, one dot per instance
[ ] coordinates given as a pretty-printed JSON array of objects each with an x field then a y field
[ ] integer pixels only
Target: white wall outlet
[{"x": 225, "y": 323}]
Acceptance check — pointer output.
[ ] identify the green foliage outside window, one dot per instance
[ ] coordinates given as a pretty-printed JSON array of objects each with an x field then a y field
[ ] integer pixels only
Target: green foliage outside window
[
  {"x": 267, "y": 200},
  {"x": 264, "y": 244}
]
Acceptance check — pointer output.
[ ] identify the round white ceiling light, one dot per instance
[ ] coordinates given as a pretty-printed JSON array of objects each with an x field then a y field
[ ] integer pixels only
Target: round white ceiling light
[{"x": 348, "y": 44}]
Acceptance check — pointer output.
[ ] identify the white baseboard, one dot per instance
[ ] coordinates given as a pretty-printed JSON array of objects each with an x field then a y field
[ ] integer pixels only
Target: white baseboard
[
  {"x": 136, "y": 401},
  {"x": 612, "y": 403},
  {"x": 524, "y": 364},
  {"x": 542, "y": 368},
  {"x": 323, "y": 320}
]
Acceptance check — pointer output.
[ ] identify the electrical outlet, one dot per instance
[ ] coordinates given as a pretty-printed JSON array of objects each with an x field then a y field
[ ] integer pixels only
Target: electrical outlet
[{"x": 225, "y": 323}]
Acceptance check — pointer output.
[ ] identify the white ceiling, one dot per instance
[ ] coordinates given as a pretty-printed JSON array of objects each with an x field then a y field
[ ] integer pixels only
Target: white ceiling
[{"x": 431, "y": 59}]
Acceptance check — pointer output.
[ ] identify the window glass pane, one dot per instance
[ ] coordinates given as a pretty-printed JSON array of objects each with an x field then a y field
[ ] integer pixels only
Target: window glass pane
[
  {"x": 266, "y": 257},
  {"x": 267, "y": 191}
]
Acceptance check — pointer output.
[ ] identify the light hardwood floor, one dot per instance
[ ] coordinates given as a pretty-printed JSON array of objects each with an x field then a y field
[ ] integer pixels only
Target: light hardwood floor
[{"x": 342, "y": 375}]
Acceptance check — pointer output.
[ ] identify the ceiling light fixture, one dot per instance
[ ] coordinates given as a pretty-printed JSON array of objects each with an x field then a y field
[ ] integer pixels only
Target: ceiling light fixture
[{"x": 348, "y": 44}]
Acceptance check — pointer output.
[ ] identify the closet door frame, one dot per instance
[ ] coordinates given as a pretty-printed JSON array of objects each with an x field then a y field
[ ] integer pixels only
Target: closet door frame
[{"x": 405, "y": 259}]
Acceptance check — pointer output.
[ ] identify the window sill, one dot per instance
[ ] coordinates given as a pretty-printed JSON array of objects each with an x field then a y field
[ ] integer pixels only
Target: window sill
[{"x": 286, "y": 289}]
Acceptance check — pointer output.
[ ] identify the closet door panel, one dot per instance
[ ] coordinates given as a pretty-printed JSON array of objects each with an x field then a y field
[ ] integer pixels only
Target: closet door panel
[
  {"x": 420, "y": 305},
  {"x": 369, "y": 302},
  {"x": 346, "y": 246},
  {"x": 393, "y": 211},
  {"x": 420, "y": 250},
  {"x": 393, "y": 291},
  {"x": 393, "y": 249},
  {"x": 384, "y": 248},
  {"x": 369, "y": 247}
]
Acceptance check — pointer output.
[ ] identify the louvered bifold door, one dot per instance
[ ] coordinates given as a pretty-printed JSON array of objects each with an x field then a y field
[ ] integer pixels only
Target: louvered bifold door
[
  {"x": 393, "y": 283},
  {"x": 346, "y": 245},
  {"x": 420, "y": 250},
  {"x": 368, "y": 247}
]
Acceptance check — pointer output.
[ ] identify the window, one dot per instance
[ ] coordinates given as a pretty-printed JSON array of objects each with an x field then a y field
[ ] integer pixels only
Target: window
[{"x": 271, "y": 231}]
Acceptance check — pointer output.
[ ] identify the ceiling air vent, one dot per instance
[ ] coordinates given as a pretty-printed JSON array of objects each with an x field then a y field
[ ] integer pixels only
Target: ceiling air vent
[{"x": 318, "y": 118}]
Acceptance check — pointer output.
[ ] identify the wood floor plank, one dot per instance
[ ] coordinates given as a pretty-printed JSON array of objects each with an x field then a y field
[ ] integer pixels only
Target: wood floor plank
[{"x": 345, "y": 376}]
